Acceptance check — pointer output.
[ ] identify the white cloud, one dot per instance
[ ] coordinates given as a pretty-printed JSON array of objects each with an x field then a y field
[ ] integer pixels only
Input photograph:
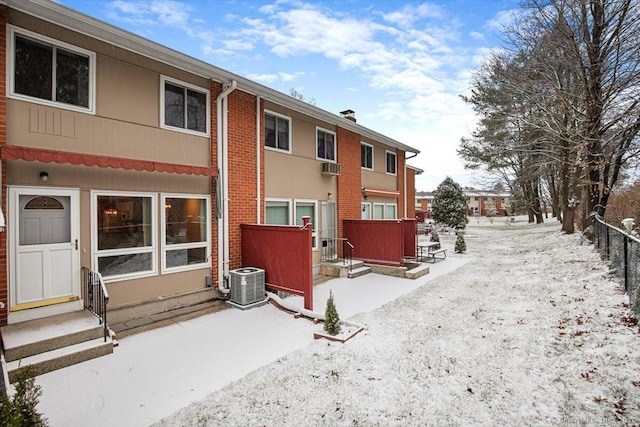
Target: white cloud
[{"x": 477, "y": 35}]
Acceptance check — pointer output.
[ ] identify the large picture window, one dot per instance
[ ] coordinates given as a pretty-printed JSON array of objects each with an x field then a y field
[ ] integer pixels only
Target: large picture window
[
  {"x": 51, "y": 72},
  {"x": 186, "y": 242},
  {"x": 277, "y": 133},
  {"x": 325, "y": 145},
  {"x": 184, "y": 107},
  {"x": 124, "y": 234}
]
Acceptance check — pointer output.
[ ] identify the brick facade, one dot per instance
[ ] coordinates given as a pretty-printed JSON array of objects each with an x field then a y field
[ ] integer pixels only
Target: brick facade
[
  {"x": 350, "y": 179},
  {"x": 411, "y": 193},
  {"x": 400, "y": 179},
  {"x": 3, "y": 190}
]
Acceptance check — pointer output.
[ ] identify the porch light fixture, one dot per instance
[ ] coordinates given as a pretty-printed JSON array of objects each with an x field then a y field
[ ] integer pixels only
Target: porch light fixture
[{"x": 44, "y": 176}]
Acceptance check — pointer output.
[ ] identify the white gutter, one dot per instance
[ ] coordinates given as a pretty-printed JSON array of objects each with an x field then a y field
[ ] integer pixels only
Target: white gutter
[
  {"x": 222, "y": 142},
  {"x": 258, "y": 160}
]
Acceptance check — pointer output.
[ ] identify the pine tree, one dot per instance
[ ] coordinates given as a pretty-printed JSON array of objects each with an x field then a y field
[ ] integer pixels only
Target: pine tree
[
  {"x": 331, "y": 318},
  {"x": 435, "y": 238},
  {"x": 450, "y": 203},
  {"x": 461, "y": 246},
  {"x": 20, "y": 411}
]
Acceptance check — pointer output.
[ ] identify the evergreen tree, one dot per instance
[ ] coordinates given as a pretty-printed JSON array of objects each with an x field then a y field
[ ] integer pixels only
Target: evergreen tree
[
  {"x": 20, "y": 411},
  {"x": 435, "y": 238},
  {"x": 461, "y": 246},
  {"x": 331, "y": 318},
  {"x": 450, "y": 203}
]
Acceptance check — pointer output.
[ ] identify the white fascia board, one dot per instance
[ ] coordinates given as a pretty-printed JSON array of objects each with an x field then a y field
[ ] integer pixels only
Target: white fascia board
[{"x": 63, "y": 16}]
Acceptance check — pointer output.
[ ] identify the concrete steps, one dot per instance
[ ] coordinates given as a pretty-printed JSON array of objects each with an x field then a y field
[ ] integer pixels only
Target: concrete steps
[
  {"x": 357, "y": 272},
  {"x": 53, "y": 342}
]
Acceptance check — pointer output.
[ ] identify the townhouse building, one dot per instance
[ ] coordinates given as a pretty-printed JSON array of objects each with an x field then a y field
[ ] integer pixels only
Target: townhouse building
[
  {"x": 139, "y": 162},
  {"x": 479, "y": 202}
]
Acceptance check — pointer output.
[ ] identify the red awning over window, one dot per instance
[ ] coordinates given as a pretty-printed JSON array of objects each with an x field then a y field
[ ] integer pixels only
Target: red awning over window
[{"x": 13, "y": 152}]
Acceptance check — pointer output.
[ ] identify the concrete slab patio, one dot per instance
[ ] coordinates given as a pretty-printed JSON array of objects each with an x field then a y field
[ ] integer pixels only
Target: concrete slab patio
[{"x": 155, "y": 373}]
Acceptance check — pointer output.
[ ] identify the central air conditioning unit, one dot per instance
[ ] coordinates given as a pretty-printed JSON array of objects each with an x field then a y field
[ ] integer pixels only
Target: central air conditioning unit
[
  {"x": 247, "y": 285},
  {"x": 329, "y": 168}
]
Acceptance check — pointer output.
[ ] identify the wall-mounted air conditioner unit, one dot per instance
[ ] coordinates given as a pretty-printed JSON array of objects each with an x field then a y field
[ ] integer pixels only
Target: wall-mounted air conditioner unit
[
  {"x": 329, "y": 168},
  {"x": 247, "y": 285}
]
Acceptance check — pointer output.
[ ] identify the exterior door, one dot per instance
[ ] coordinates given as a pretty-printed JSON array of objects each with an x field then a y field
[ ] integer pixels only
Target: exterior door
[
  {"x": 44, "y": 265},
  {"x": 329, "y": 231}
]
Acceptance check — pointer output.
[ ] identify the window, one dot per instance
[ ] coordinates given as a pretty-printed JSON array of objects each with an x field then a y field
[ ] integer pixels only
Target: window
[
  {"x": 276, "y": 131},
  {"x": 124, "y": 234},
  {"x": 391, "y": 211},
  {"x": 277, "y": 212},
  {"x": 51, "y": 72},
  {"x": 391, "y": 163},
  {"x": 184, "y": 107},
  {"x": 307, "y": 208},
  {"x": 325, "y": 144},
  {"x": 366, "y": 156},
  {"x": 378, "y": 211},
  {"x": 186, "y": 243}
]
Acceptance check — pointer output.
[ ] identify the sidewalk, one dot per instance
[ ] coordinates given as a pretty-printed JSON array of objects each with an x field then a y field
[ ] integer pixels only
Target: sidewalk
[{"x": 155, "y": 373}]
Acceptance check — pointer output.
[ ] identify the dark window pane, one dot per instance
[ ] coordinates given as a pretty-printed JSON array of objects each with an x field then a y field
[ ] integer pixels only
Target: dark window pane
[
  {"x": 283, "y": 134},
  {"x": 124, "y": 222},
  {"x": 321, "y": 151},
  {"x": 173, "y": 106},
  {"x": 124, "y": 264},
  {"x": 186, "y": 220},
  {"x": 330, "y": 147},
  {"x": 33, "y": 68},
  {"x": 269, "y": 131},
  {"x": 181, "y": 257},
  {"x": 196, "y": 111},
  {"x": 72, "y": 78}
]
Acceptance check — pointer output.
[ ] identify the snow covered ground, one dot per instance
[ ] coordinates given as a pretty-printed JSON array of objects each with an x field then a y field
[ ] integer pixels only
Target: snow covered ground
[
  {"x": 523, "y": 329},
  {"x": 529, "y": 332}
]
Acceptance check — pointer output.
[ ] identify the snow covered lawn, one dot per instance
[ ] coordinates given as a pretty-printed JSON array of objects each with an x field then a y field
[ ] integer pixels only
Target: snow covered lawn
[{"x": 529, "y": 332}]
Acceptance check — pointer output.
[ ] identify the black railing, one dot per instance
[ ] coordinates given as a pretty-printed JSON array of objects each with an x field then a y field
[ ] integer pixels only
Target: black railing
[
  {"x": 338, "y": 250},
  {"x": 623, "y": 253},
  {"x": 96, "y": 297}
]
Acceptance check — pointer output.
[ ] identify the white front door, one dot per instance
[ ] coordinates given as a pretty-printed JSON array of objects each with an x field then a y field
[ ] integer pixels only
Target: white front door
[
  {"x": 44, "y": 257},
  {"x": 329, "y": 230}
]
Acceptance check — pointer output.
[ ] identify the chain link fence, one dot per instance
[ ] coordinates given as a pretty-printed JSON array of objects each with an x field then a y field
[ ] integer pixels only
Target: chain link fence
[{"x": 623, "y": 253}]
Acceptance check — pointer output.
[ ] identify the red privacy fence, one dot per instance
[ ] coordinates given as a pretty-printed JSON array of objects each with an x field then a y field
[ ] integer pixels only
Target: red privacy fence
[
  {"x": 284, "y": 252},
  {"x": 385, "y": 242}
]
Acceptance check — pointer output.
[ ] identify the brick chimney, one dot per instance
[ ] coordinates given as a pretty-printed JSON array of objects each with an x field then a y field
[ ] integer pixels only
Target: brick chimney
[{"x": 349, "y": 115}]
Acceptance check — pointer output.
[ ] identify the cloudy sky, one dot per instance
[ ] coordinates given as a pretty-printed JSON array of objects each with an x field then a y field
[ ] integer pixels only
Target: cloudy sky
[{"x": 399, "y": 64}]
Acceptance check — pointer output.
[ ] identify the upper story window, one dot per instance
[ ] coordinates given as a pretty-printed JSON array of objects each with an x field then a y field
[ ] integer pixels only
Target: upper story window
[
  {"x": 325, "y": 144},
  {"x": 277, "y": 133},
  {"x": 391, "y": 162},
  {"x": 51, "y": 72},
  {"x": 366, "y": 156},
  {"x": 184, "y": 107}
]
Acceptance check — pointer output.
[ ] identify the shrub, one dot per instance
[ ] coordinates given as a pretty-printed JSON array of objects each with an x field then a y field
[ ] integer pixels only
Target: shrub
[
  {"x": 461, "y": 245},
  {"x": 20, "y": 410},
  {"x": 435, "y": 238},
  {"x": 331, "y": 317}
]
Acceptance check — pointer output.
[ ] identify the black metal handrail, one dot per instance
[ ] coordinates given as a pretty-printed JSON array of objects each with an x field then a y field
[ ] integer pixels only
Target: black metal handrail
[
  {"x": 332, "y": 250},
  {"x": 350, "y": 248},
  {"x": 96, "y": 297}
]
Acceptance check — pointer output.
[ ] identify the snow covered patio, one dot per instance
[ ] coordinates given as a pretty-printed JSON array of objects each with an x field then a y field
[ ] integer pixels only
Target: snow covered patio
[{"x": 528, "y": 330}]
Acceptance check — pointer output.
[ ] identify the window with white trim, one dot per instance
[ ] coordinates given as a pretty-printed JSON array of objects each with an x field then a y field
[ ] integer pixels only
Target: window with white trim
[
  {"x": 391, "y": 211},
  {"x": 185, "y": 232},
  {"x": 124, "y": 234},
  {"x": 277, "y": 131},
  {"x": 277, "y": 211},
  {"x": 366, "y": 156},
  {"x": 391, "y": 162},
  {"x": 307, "y": 208},
  {"x": 51, "y": 72},
  {"x": 184, "y": 107},
  {"x": 378, "y": 211},
  {"x": 325, "y": 144}
]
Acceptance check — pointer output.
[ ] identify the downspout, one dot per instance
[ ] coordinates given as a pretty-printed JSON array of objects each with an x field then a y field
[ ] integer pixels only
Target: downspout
[
  {"x": 222, "y": 140},
  {"x": 258, "y": 160}
]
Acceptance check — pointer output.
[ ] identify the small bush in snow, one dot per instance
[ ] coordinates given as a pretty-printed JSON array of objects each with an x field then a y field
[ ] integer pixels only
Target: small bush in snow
[
  {"x": 331, "y": 317},
  {"x": 461, "y": 245},
  {"x": 435, "y": 238},
  {"x": 20, "y": 410}
]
